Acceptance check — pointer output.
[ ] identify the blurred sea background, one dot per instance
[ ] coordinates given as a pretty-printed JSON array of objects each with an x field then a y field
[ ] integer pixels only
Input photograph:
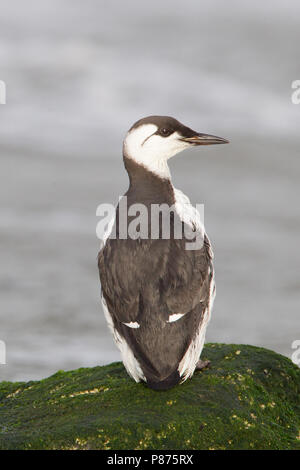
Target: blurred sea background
[{"x": 78, "y": 74}]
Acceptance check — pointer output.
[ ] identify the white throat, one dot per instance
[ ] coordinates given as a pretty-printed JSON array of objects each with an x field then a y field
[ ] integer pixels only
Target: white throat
[{"x": 146, "y": 148}]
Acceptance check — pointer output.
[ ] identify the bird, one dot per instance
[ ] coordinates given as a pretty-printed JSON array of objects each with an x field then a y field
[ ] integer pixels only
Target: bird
[{"x": 157, "y": 294}]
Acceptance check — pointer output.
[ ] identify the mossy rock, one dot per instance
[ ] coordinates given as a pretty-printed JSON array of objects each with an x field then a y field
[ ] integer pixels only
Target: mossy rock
[{"x": 248, "y": 399}]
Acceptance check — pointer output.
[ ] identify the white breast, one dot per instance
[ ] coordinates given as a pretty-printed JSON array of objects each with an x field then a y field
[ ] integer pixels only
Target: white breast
[
  {"x": 187, "y": 212},
  {"x": 130, "y": 362},
  {"x": 190, "y": 215}
]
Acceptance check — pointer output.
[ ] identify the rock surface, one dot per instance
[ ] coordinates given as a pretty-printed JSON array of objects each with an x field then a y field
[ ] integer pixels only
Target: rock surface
[{"x": 248, "y": 399}]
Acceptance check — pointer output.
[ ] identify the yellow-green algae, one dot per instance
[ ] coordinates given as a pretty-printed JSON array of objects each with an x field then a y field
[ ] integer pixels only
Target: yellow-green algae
[{"x": 249, "y": 399}]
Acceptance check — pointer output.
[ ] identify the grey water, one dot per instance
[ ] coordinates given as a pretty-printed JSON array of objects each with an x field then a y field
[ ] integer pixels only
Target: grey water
[{"x": 78, "y": 74}]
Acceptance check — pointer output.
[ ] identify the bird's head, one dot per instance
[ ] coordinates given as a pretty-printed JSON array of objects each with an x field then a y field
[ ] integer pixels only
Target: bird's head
[{"x": 151, "y": 141}]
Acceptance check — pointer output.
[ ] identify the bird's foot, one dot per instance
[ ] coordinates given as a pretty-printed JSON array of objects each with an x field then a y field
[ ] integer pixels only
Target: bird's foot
[{"x": 202, "y": 364}]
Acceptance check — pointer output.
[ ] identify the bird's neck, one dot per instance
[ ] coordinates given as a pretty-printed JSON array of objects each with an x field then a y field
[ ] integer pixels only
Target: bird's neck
[
  {"x": 155, "y": 164},
  {"x": 149, "y": 184}
]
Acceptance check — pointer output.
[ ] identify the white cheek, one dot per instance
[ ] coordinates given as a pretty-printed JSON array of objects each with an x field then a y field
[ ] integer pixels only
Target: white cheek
[
  {"x": 159, "y": 147},
  {"x": 135, "y": 139},
  {"x": 170, "y": 146},
  {"x": 152, "y": 150},
  {"x": 163, "y": 148}
]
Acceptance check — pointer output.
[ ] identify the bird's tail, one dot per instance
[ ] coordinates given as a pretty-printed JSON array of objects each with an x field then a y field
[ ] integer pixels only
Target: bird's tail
[{"x": 165, "y": 384}]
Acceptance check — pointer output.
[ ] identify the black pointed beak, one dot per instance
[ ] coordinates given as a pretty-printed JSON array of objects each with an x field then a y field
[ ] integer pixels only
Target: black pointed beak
[{"x": 204, "y": 139}]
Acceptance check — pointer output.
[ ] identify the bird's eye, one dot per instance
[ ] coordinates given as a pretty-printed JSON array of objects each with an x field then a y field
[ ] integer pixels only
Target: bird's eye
[{"x": 165, "y": 132}]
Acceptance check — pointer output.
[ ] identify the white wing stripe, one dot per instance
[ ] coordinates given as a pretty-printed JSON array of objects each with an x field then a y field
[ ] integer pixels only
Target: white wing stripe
[
  {"x": 132, "y": 324},
  {"x": 175, "y": 317}
]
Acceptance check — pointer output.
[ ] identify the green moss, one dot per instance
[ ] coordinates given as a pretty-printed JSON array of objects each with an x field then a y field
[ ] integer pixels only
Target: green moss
[{"x": 249, "y": 399}]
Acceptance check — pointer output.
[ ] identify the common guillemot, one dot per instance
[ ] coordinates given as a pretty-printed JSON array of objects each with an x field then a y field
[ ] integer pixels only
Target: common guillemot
[{"x": 157, "y": 295}]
